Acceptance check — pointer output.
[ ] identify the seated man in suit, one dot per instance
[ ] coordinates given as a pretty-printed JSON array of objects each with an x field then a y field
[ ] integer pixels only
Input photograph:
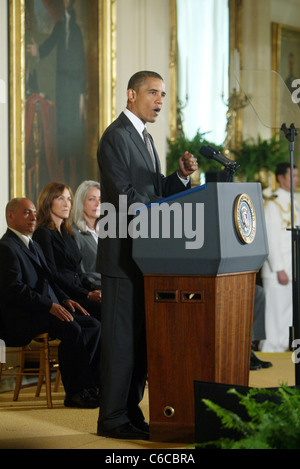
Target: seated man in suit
[{"x": 31, "y": 303}]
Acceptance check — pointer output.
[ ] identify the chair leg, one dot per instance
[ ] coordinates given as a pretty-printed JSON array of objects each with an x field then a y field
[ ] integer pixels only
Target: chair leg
[
  {"x": 41, "y": 372},
  {"x": 47, "y": 373},
  {"x": 57, "y": 381},
  {"x": 19, "y": 375},
  {"x": 44, "y": 370},
  {"x": 39, "y": 385}
]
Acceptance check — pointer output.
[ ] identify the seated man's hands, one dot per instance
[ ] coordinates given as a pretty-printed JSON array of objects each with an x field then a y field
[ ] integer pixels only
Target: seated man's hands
[{"x": 62, "y": 313}]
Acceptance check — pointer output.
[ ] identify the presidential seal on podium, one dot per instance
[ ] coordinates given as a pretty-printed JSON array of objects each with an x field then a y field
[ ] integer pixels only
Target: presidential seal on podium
[{"x": 244, "y": 218}]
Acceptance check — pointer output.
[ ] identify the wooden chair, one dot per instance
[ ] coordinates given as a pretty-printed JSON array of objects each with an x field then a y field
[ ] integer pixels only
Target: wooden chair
[{"x": 43, "y": 371}]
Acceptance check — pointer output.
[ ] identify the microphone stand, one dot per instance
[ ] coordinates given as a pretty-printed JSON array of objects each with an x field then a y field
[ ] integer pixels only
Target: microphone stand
[
  {"x": 291, "y": 133},
  {"x": 230, "y": 166},
  {"x": 230, "y": 169}
]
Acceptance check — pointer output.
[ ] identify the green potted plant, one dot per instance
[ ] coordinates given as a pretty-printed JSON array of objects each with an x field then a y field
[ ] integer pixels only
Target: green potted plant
[
  {"x": 273, "y": 420},
  {"x": 181, "y": 144},
  {"x": 254, "y": 156}
]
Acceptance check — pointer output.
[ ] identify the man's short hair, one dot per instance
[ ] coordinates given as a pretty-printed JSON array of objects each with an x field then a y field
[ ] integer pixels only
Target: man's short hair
[
  {"x": 13, "y": 205},
  {"x": 282, "y": 168},
  {"x": 139, "y": 78}
]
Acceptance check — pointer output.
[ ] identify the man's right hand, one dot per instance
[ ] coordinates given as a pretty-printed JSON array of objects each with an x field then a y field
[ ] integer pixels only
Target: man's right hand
[
  {"x": 282, "y": 277},
  {"x": 61, "y": 313}
]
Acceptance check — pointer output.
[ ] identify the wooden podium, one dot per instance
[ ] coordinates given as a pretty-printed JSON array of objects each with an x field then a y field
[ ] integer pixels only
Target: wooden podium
[{"x": 199, "y": 301}]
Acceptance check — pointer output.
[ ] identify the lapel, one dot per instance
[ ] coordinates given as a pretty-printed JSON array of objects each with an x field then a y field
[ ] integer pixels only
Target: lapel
[
  {"x": 90, "y": 240},
  {"x": 139, "y": 143},
  {"x": 26, "y": 250},
  {"x": 58, "y": 238},
  {"x": 43, "y": 262},
  {"x": 65, "y": 244}
]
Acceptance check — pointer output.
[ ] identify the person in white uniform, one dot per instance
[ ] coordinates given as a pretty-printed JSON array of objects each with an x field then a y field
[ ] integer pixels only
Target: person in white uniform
[{"x": 277, "y": 269}]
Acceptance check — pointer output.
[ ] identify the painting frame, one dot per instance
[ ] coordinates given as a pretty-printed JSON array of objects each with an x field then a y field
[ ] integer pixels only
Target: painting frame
[
  {"x": 106, "y": 70},
  {"x": 285, "y": 44}
]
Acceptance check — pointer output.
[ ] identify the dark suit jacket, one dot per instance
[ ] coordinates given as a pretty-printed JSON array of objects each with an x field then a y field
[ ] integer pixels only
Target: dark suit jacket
[
  {"x": 64, "y": 260},
  {"x": 23, "y": 285},
  {"x": 126, "y": 169}
]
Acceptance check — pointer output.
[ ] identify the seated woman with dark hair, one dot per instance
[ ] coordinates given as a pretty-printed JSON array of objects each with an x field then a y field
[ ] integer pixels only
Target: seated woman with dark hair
[
  {"x": 54, "y": 235},
  {"x": 85, "y": 215}
]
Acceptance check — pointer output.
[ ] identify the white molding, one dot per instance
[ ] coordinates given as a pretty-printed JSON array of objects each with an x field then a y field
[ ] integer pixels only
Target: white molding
[{"x": 2, "y": 91}]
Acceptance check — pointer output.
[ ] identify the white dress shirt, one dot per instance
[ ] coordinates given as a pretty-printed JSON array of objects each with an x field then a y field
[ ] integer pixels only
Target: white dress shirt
[{"x": 24, "y": 238}]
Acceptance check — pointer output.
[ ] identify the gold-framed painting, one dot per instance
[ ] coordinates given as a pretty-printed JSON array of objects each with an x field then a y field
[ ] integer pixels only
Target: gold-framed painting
[
  {"x": 62, "y": 90},
  {"x": 286, "y": 61}
]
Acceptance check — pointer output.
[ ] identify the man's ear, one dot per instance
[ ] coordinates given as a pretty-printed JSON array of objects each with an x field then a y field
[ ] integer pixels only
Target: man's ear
[
  {"x": 9, "y": 216},
  {"x": 131, "y": 94},
  {"x": 280, "y": 178}
]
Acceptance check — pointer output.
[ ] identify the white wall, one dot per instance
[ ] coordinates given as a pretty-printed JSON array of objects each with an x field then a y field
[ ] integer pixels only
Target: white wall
[
  {"x": 286, "y": 12},
  {"x": 143, "y": 44},
  {"x": 256, "y": 53},
  {"x": 4, "y": 153}
]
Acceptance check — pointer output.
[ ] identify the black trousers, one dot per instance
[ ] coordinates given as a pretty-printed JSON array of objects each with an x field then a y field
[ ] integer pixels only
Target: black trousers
[
  {"x": 123, "y": 351},
  {"x": 258, "y": 330},
  {"x": 79, "y": 353}
]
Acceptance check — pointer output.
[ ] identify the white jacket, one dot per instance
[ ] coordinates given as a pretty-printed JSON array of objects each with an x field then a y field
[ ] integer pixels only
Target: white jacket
[{"x": 278, "y": 220}]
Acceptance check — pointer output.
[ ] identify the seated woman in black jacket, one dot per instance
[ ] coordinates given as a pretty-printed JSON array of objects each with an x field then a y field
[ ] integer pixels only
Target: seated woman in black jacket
[{"x": 54, "y": 235}]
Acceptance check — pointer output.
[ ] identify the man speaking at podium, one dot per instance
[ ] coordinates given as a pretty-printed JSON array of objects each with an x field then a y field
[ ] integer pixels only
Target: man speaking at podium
[{"x": 129, "y": 166}]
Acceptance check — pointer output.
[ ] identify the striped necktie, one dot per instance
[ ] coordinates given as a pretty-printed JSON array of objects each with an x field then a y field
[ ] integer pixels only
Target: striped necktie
[
  {"x": 149, "y": 146},
  {"x": 33, "y": 250}
]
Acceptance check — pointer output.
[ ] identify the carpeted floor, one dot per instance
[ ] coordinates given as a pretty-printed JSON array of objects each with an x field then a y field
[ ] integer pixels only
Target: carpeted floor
[{"x": 28, "y": 423}]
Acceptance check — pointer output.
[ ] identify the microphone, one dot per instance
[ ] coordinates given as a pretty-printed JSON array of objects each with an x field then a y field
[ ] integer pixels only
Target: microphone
[{"x": 213, "y": 154}]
